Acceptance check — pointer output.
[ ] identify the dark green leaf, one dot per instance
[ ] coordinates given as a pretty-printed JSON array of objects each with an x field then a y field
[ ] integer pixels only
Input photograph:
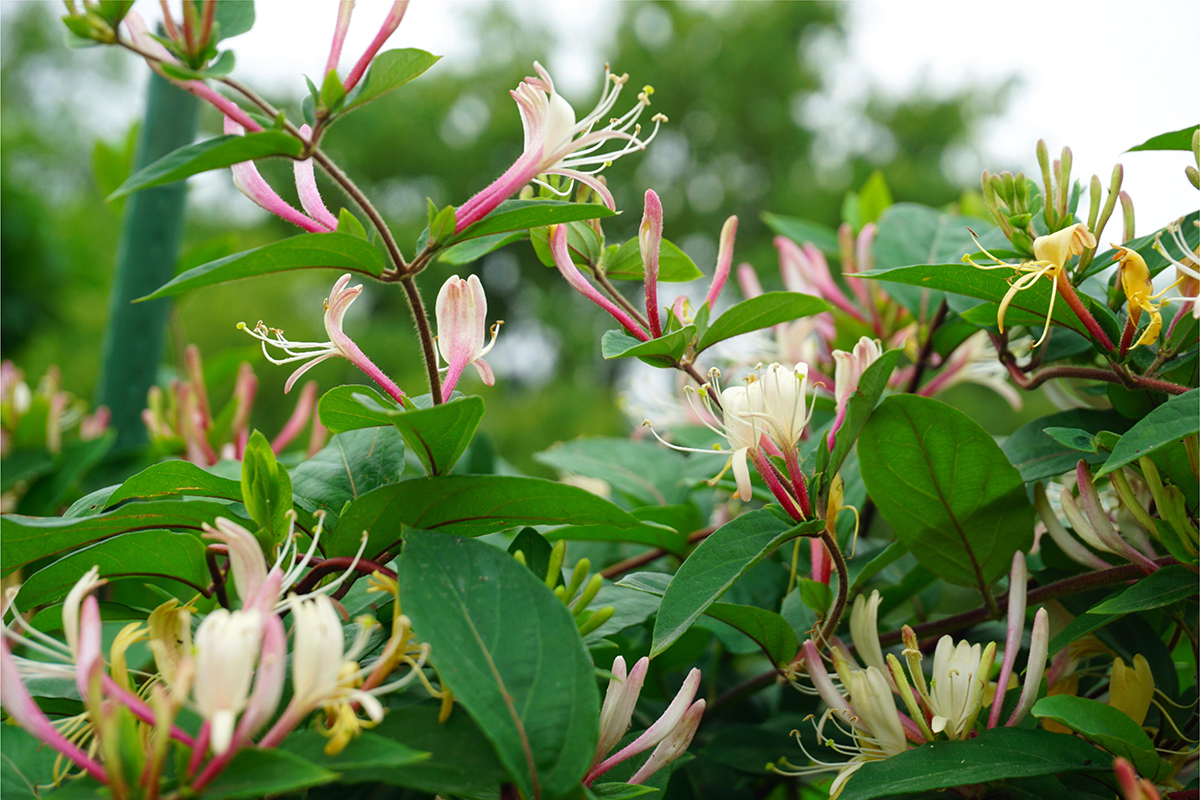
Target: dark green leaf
[
  {"x": 524, "y": 678},
  {"x": 1175, "y": 140},
  {"x": 24, "y": 764},
  {"x": 661, "y": 352},
  {"x": 1074, "y": 439},
  {"x": 674, "y": 265},
  {"x": 535, "y": 550},
  {"x": 215, "y": 153},
  {"x": 649, "y": 534},
  {"x": 175, "y": 478},
  {"x": 389, "y": 70},
  {"x": 1108, "y": 727},
  {"x": 761, "y": 312},
  {"x": 460, "y": 762},
  {"x": 340, "y": 251},
  {"x": 474, "y": 249},
  {"x": 1078, "y": 628},
  {"x": 179, "y": 556},
  {"x": 993, "y": 755},
  {"x": 715, "y": 565},
  {"x": 439, "y": 435},
  {"x": 882, "y": 560},
  {"x": 350, "y": 408},
  {"x": 946, "y": 488},
  {"x": 514, "y": 215},
  {"x": 803, "y": 230},
  {"x": 1170, "y": 422},
  {"x": 255, "y": 773},
  {"x": 1161, "y": 588},
  {"x": 367, "y": 757},
  {"x": 45, "y": 495},
  {"x": 468, "y": 505},
  {"x": 29, "y": 538},
  {"x": 1038, "y": 455},
  {"x": 352, "y": 464}
]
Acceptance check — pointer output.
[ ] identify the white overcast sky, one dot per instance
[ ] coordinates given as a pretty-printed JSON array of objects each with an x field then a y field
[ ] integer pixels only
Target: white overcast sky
[{"x": 1101, "y": 75}]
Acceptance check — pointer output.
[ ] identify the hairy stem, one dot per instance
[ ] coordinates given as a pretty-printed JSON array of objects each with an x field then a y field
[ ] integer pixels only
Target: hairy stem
[{"x": 428, "y": 350}]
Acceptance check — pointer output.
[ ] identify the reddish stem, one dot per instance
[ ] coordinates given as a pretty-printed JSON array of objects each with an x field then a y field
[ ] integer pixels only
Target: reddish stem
[{"x": 1068, "y": 293}]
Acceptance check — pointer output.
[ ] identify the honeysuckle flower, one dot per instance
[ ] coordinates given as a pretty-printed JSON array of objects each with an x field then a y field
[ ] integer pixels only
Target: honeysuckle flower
[
  {"x": 650, "y": 235},
  {"x": 556, "y": 144},
  {"x": 227, "y": 647},
  {"x": 1131, "y": 689},
  {"x": 1139, "y": 293},
  {"x": 250, "y": 182},
  {"x": 313, "y": 353},
  {"x": 1187, "y": 265},
  {"x": 785, "y": 409},
  {"x": 1051, "y": 254},
  {"x": 724, "y": 261},
  {"x": 170, "y": 629},
  {"x": 673, "y": 745},
  {"x": 848, "y": 371},
  {"x": 805, "y": 270},
  {"x": 462, "y": 324},
  {"x": 1133, "y": 786},
  {"x": 864, "y": 630},
  {"x": 955, "y": 692},
  {"x": 390, "y": 23},
  {"x": 680, "y": 713},
  {"x": 1091, "y": 522},
  {"x": 1070, "y": 546},
  {"x": 246, "y": 561},
  {"x": 619, "y": 701}
]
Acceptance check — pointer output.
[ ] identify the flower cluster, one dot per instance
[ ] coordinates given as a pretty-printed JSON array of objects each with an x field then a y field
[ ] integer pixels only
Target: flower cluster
[{"x": 230, "y": 672}]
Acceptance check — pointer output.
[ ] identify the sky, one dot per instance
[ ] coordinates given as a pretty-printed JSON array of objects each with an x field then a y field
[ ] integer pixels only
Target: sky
[{"x": 1099, "y": 76}]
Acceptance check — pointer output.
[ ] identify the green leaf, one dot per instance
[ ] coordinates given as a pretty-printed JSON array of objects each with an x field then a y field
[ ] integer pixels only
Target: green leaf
[
  {"x": 803, "y": 230},
  {"x": 175, "y": 478},
  {"x": 439, "y": 435},
  {"x": 993, "y": 285},
  {"x": 661, "y": 352},
  {"x": 1175, "y": 140},
  {"x": 389, "y": 70},
  {"x": 674, "y": 265},
  {"x": 946, "y": 488},
  {"x": 1108, "y": 727},
  {"x": 1038, "y": 456},
  {"x": 233, "y": 18},
  {"x": 25, "y": 764},
  {"x": 761, "y": 312},
  {"x": 1144, "y": 245},
  {"x": 1162, "y": 587},
  {"x": 524, "y": 678},
  {"x": 993, "y": 755},
  {"x": 255, "y": 773},
  {"x": 178, "y": 556},
  {"x": 715, "y": 565},
  {"x": 349, "y": 224},
  {"x": 341, "y": 251},
  {"x": 1170, "y": 422},
  {"x": 352, "y": 464},
  {"x": 367, "y": 758},
  {"x": 468, "y": 505},
  {"x": 266, "y": 489},
  {"x": 1074, "y": 439},
  {"x": 514, "y": 215},
  {"x": 460, "y": 762},
  {"x": 649, "y": 533},
  {"x": 216, "y": 153},
  {"x": 350, "y": 408},
  {"x": 535, "y": 550},
  {"x": 27, "y": 539},
  {"x": 474, "y": 249},
  {"x": 644, "y": 471}
]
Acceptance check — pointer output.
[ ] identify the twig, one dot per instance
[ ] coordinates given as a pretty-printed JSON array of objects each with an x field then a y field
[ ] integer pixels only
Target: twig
[
  {"x": 642, "y": 559},
  {"x": 922, "y": 364},
  {"x": 428, "y": 352}
]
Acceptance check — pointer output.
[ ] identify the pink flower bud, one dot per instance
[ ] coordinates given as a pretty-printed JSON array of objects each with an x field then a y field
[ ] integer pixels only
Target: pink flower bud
[
  {"x": 650, "y": 243},
  {"x": 249, "y": 182},
  {"x": 724, "y": 260},
  {"x": 848, "y": 370},
  {"x": 462, "y": 327}
]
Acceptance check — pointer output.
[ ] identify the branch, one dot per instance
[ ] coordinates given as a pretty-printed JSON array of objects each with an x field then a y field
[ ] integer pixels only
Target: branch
[{"x": 425, "y": 335}]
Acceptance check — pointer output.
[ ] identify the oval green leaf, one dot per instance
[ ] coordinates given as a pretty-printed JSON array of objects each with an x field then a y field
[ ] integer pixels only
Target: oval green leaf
[
  {"x": 515, "y": 215},
  {"x": 1111, "y": 728},
  {"x": 216, "y": 153},
  {"x": 1170, "y": 422},
  {"x": 175, "y": 478},
  {"x": 389, "y": 70},
  {"x": 761, "y": 312}
]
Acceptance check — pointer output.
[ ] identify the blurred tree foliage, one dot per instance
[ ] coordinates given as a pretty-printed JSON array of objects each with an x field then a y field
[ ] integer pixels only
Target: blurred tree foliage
[{"x": 744, "y": 85}]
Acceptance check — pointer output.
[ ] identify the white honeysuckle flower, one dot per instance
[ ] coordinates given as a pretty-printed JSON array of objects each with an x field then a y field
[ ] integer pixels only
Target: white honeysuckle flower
[
  {"x": 864, "y": 631},
  {"x": 956, "y": 687},
  {"x": 784, "y": 407},
  {"x": 227, "y": 646}
]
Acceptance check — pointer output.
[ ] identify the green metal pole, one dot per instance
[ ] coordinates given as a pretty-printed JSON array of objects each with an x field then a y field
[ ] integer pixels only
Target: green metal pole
[{"x": 146, "y": 255}]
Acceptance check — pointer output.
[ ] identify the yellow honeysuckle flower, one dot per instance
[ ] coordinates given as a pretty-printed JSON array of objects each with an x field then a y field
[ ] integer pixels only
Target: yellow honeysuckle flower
[
  {"x": 1131, "y": 688},
  {"x": 1051, "y": 253},
  {"x": 1139, "y": 292}
]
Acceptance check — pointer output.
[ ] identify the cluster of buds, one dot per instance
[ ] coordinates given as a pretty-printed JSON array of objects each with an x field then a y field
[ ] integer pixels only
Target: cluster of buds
[
  {"x": 669, "y": 735},
  {"x": 181, "y": 420},
  {"x": 230, "y": 672},
  {"x": 579, "y": 593},
  {"x": 39, "y": 418},
  {"x": 1118, "y": 523},
  {"x": 948, "y": 706}
]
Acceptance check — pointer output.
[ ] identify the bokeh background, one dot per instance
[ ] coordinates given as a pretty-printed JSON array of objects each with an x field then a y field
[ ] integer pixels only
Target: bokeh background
[{"x": 780, "y": 107}]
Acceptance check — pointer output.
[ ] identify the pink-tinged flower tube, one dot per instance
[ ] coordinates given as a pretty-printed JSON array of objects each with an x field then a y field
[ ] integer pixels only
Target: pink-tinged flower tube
[
  {"x": 21, "y": 708},
  {"x": 1133, "y": 786},
  {"x": 724, "y": 261},
  {"x": 556, "y": 144},
  {"x": 345, "y": 9},
  {"x": 848, "y": 370},
  {"x": 390, "y": 23},
  {"x": 1017, "y": 583},
  {"x": 675, "y": 716},
  {"x": 619, "y": 701},
  {"x": 246, "y": 561},
  {"x": 250, "y": 182},
  {"x": 462, "y": 325},
  {"x": 805, "y": 270},
  {"x": 650, "y": 236},
  {"x": 562, "y": 259},
  {"x": 1035, "y": 668},
  {"x": 145, "y": 42},
  {"x": 339, "y": 344},
  {"x": 673, "y": 746},
  {"x": 304, "y": 410}
]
